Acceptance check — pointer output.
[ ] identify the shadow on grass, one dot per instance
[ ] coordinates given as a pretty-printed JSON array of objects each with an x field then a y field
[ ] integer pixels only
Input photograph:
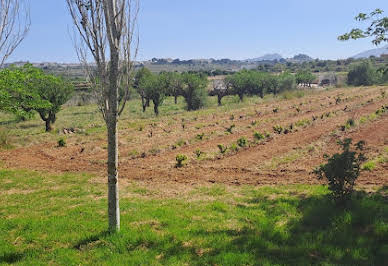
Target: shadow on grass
[
  {"x": 91, "y": 239},
  {"x": 281, "y": 231},
  {"x": 11, "y": 257},
  {"x": 324, "y": 234}
]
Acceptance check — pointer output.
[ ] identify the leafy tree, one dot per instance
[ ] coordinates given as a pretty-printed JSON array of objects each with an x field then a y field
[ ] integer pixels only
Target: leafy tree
[
  {"x": 17, "y": 96},
  {"x": 236, "y": 84},
  {"x": 155, "y": 87},
  {"x": 27, "y": 89},
  {"x": 362, "y": 75},
  {"x": 54, "y": 90},
  {"x": 342, "y": 170},
  {"x": 377, "y": 29},
  {"x": 305, "y": 78},
  {"x": 194, "y": 91},
  {"x": 174, "y": 84},
  {"x": 286, "y": 81},
  {"x": 141, "y": 76}
]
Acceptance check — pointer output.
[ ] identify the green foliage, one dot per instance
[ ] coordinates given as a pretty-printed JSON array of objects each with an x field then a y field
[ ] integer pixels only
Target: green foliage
[
  {"x": 18, "y": 94},
  {"x": 278, "y": 129},
  {"x": 369, "y": 166},
  {"x": 363, "y": 75},
  {"x": 180, "y": 160},
  {"x": 194, "y": 91},
  {"x": 242, "y": 142},
  {"x": 27, "y": 89},
  {"x": 233, "y": 147},
  {"x": 305, "y": 78},
  {"x": 286, "y": 82},
  {"x": 230, "y": 129},
  {"x": 342, "y": 170},
  {"x": 61, "y": 142},
  {"x": 154, "y": 88},
  {"x": 222, "y": 148},
  {"x": 378, "y": 28},
  {"x": 258, "y": 136},
  {"x": 198, "y": 153}
]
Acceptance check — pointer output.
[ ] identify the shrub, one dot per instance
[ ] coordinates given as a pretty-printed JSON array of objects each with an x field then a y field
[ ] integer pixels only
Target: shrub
[
  {"x": 278, "y": 129},
  {"x": 180, "y": 160},
  {"x": 222, "y": 148},
  {"x": 230, "y": 129},
  {"x": 61, "y": 142},
  {"x": 242, "y": 142},
  {"x": 369, "y": 166},
  {"x": 198, "y": 153},
  {"x": 342, "y": 170},
  {"x": 362, "y": 75},
  {"x": 258, "y": 136},
  {"x": 194, "y": 92},
  {"x": 233, "y": 147},
  {"x": 200, "y": 136}
]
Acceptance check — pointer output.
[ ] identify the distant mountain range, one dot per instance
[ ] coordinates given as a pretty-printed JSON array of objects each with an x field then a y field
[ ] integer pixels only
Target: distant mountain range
[
  {"x": 373, "y": 52},
  {"x": 266, "y": 57},
  {"x": 272, "y": 57}
]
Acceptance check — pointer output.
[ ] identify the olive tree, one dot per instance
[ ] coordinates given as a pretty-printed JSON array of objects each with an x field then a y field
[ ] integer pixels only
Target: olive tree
[
  {"x": 141, "y": 76},
  {"x": 14, "y": 26},
  {"x": 194, "y": 91},
  {"x": 107, "y": 33},
  {"x": 56, "y": 92}
]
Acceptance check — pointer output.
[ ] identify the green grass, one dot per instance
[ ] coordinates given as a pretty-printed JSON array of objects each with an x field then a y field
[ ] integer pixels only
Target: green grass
[{"x": 61, "y": 220}]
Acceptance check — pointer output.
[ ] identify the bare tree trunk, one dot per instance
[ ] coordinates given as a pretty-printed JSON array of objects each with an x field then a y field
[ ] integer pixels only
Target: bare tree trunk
[
  {"x": 113, "y": 185},
  {"x": 175, "y": 99},
  {"x": 48, "y": 125},
  {"x": 111, "y": 122},
  {"x": 219, "y": 98}
]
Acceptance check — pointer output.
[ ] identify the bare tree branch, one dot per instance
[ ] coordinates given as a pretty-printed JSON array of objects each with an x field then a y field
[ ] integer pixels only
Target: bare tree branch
[{"x": 14, "y": 25}]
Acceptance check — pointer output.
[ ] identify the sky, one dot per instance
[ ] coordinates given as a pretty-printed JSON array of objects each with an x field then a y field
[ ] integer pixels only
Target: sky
[{"x": 217, "y": 29}]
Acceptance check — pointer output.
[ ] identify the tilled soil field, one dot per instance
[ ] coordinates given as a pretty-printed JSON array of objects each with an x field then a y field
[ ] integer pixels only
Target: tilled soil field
[{"x": 310, "y": 128}]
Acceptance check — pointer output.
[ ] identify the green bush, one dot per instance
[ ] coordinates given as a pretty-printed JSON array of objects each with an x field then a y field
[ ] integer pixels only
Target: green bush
[
  {"x": 363, "y": 75},
  {"x": 230, "y": 129},
  {"x": 195, "y": 92},
  {"x": 61, "y": 142},
  {"x": 233, "y": 147},
  {"x": 278, "y": 129},
  {"x": 258, "y": 136},
  {"x": 242, "y": 142},
  {"x": 180, "y": 160},
  {"x": 198, "y": 153},
  {"x": 222, "y": 148},
  {"x": 342, "y": 170}
]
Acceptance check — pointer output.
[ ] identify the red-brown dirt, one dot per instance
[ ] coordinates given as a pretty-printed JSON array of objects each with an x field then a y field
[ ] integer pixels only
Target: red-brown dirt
[{"x": 281, "y": 159}]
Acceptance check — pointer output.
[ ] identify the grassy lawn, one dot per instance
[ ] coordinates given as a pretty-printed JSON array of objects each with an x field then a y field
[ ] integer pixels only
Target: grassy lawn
[{"x": 61, "y": 219}]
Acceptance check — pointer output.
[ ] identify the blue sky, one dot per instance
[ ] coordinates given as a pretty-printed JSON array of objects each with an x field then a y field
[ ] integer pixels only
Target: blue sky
[{"x": 213, "y": 29}]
